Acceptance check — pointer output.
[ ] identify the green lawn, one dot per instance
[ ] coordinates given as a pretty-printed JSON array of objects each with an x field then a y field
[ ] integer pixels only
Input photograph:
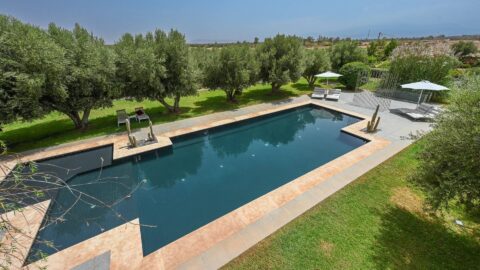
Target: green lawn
[
  {"x": 56, "y": 128},
  {"x": 378, "y": 222},
  {"x": 371, "y": 85}
]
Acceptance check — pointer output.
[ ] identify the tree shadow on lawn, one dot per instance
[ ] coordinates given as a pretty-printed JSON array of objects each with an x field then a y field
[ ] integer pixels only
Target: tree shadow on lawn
[
  {"x": 56, "y": 132},
  {"x": 259, "y": 95},
  {"x": 407, "y": 241},
  {"x": 35, "y": 131},
  {"x": 302, "y": 86}
]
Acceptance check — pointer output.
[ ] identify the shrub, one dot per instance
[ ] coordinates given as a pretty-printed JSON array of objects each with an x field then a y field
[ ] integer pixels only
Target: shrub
[
  {"x": 416, "y": 63},
  {"x": 345, "y": 52},
  {"x": 355, "y": 73},
  {"x": 449, "y": 159},
  {"x": 381, "y": 49},
  {"x": 388, "y": 50},
  {"x": 372, "y": 60},
  {"x": 464, "y": 48}
]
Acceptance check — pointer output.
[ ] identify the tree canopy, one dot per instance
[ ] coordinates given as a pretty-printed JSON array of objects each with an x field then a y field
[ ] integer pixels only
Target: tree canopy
[
  {"x": 41, "y": 71},
  {"x": 32, "y": 70},
  {"x": 346, "y": 52},
  {"x": 449, "y": 160},
  {"x": 156, "y": 66},
  {"x": 316, "y": 61},
  {"x": 281, "y": 60},
  {"x": 90, "y": 74},
  {"x": 233, "y": 69},
  {"x": 181, "y": 75}
]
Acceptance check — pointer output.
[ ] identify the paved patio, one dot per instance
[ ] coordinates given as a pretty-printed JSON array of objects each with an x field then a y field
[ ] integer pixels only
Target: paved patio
[{"x": 392, "y": 127}]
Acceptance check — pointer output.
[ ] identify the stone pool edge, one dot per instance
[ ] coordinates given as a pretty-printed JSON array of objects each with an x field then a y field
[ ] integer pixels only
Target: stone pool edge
[{"x": 190, "y": 246}]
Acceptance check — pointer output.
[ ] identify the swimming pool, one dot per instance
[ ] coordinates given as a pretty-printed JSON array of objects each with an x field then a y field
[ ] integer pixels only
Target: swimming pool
[{"x": 202, "y": 177}]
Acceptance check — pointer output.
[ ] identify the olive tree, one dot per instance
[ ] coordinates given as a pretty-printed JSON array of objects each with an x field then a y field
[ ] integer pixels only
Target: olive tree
[
  {"x": 281, "y": 60},
  {"x": 316, "y": 61},
  {"x": 449, "y": 159},
  {"x": 202, "y": 58},
  {"x": 32, "y": 71},
  {"x": 156, "y": 66},
  {"x": 67, "y": 71},
  {"x": 139, "y": 69},
  {"x": 89, "y": 74},
  {"x": 233, "y": 69},
  {"x": 345, "y": 52},
  {"x": 181, "y": 75}
]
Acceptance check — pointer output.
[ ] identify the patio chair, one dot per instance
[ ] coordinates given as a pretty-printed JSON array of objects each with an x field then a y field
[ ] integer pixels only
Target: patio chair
[
  {"x": 122, "y": 117},
  {"x": 319, "y": 93},
  {"x": 333, "y": 94},
  {"x": 140, "y": 114}
]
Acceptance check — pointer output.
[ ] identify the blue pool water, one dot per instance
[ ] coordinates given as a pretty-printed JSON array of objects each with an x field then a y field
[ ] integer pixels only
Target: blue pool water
[{"x": 202, "y": 177}]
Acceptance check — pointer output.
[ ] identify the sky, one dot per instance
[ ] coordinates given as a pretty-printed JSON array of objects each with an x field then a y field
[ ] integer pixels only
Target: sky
[{"x": 229, "y": 20}]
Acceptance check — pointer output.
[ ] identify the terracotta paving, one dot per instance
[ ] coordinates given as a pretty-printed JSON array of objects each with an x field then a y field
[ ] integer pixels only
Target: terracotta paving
[
  {"x": 28, "y": 222},
  {"x": 124, "y": 242}
]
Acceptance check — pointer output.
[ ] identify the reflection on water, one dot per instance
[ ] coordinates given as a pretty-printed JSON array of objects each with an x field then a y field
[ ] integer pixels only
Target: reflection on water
[{"x": 203, "y": 177}]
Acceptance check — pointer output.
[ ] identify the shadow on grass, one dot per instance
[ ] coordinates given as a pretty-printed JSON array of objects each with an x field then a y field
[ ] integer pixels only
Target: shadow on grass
[
  {"x": 213, "y": 104},
  {"x": 60, "y": 131},
  {"x": 302, "y": 86},
  {"x": 265, "y": 94},
  {"x": 56, "y": 132},
  {"x": 262, "y": 95},
  {"x": 407, "y": 241}
]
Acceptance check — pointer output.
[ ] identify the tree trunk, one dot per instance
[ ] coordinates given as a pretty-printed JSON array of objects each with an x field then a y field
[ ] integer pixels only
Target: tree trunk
[
  {"x": 176, "y": 104},
  {"x": 85, "y": 116},
  {"x": 311, "y": 81},
  {"x": 77, "y": 121},
  {"x": 175, "y": 108},
  {"x": 275, "y": 87},
  {"x": 169, "y": 107},
  {"x": 231, "y": 96}
]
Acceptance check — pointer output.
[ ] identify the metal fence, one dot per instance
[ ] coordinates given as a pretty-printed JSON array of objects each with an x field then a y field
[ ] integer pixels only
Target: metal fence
[{"x": 386, "y": 91}]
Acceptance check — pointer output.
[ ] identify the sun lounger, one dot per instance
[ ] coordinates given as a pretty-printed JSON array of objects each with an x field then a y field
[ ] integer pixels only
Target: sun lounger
[
  {"x": 122, "y": 117},
  {"x": 333, "y": 94},
  {"x": 140, "y": 114},
  {"x": 319, "y": 93},
  {"x": 422, "y": 112}
]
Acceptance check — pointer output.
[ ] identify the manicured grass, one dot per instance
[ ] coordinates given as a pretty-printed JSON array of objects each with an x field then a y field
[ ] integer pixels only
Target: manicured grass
[
  {"x": 56, "y": 128},
  {"x": 378, "y": 222}
]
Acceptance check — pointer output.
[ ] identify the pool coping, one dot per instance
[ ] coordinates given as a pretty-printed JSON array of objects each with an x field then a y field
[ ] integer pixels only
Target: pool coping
[{"x": 125, "y": 245}]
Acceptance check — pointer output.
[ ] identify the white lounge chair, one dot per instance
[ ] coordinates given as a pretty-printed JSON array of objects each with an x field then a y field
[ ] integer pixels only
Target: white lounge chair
[
  {"x": 122, "y": 117},
  {"x": 422, "y": 112},
  {"x": 140, "y": 114},
  {"x": 319, "y": 93},
  {"x": 333, "y": 94}
]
